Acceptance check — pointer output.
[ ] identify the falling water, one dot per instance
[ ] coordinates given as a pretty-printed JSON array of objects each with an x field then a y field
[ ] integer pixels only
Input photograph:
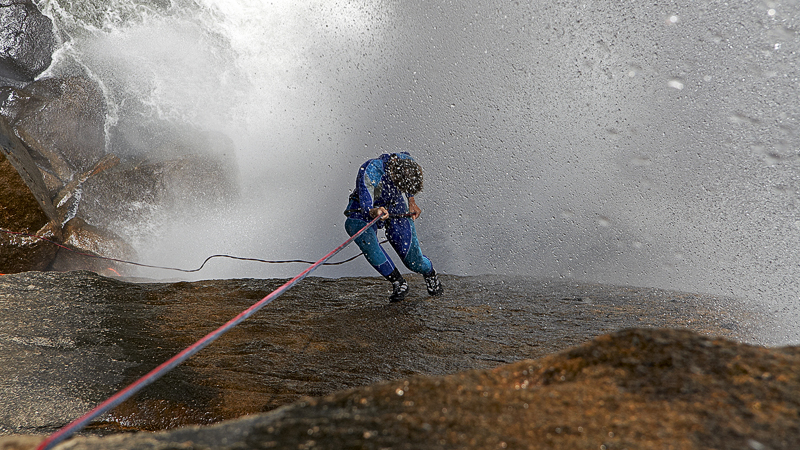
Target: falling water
[{"x": 635, "y": 143}]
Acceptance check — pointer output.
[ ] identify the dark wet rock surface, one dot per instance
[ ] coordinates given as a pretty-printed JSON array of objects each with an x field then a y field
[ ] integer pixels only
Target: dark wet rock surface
[
  {"x": 61, "y": 121},
  {"x": 27, "y": 41},
  {"x": 25, "y": 207},
  {"x": 70, "y": 340},
  {"x": 633, "y": 389}
]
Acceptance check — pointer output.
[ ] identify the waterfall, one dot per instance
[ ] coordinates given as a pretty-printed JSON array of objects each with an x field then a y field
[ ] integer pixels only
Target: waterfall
[{"x": 630, "y": 143}]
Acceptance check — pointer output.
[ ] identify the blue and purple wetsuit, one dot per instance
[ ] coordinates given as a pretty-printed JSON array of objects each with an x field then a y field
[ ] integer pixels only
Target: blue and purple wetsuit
[{"x": 374, "y": 188}]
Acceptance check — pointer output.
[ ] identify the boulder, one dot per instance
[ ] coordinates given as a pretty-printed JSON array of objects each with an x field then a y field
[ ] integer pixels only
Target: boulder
[
  {"x": 59, "y": 127},
  {"x": 27, "y": 42},
  {"x": 85, "y": 242},
  {"x": 25, "y": 209},
  {"x": 62, "y": 122},
  {"x": 42, "y": 188},
  {"x": 140, "y": 189}
]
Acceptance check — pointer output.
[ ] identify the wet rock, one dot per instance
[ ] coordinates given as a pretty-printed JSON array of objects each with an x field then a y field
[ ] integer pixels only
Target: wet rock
[
  {"x": 68, "y": 199},
  {"x": 29, "y": 250},
  {"x": 636, "y": 388},
  {"x": 25, "y": 209},
  {"x": 139, "y": 190},
  {"x": 56, "y": 138},
  {"x": 84, "y": 242},
  {"x": 71, "y": 340},
  {"x": 18, "y": 157},
  {"x": 12, "y": 100},
  {"x": 27, "y": 41},
  {"x": 62, "y": 122},
  {"x": 33, "y": 225},
  {"x": 53, "y": 167}
]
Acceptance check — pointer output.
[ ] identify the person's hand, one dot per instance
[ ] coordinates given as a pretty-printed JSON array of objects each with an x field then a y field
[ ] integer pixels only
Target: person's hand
[
  {"x": 382, "y": 212},
  {"x": 413, "y": 209}
]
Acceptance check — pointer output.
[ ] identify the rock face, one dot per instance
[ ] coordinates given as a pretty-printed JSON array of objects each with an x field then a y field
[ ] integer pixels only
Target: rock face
[
  {"x": 69, "y": 341},
  {"x": 636, "y": 388},
  {"x": 25, "y": 208},
  {"x": 62, "y": 122},
  {"x": 51, "y": 131},
  {"x": 53, "y": 134},
  {"x": 136, "y": 189},
  {"x": 92, "y": 240},
  {"x": 27, "y": 41}
]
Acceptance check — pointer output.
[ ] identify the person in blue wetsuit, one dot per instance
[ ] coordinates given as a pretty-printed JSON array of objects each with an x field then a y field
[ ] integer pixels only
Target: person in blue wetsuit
[{"x": 381, "y": 185}]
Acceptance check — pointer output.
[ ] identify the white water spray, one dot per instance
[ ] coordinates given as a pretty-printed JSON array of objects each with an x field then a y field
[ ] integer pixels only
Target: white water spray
[{"x": 650, "y": 145}]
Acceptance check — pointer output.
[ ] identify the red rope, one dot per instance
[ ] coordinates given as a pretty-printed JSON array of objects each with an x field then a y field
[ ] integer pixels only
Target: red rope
[{"x": 165, "y": 367}]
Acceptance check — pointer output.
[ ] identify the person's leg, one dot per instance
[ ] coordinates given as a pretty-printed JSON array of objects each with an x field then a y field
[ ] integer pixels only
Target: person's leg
[
  {"x": 369, "y": 245},
  {"x": 403, "y": 236},
  {"x": 377, "y": 257}
]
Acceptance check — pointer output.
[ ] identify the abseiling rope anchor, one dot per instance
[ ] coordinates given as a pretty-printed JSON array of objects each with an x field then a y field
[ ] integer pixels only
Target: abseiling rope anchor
[{"x": 173, "y": 362}]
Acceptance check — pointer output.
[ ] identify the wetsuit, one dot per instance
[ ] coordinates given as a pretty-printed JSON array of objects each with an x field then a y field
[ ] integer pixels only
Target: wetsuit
[{"x": 374, "y": 188}]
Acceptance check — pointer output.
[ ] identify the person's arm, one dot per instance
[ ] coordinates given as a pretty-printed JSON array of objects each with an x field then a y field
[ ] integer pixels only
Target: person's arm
[
  {"x": 368, "y": 177},
  {"x": 413, "y": 209}
]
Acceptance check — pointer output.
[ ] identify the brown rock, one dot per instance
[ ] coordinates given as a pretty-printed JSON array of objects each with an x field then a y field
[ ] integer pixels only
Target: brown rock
[
  {"x": 25, "y": 251},
  {"x": 466, "y": 370},
  {"x": 19, "y": 442},
  {"x": 633, "y": 389},
  {"x": 85, "y": 242},
  {"x": 25, "y": 209}
]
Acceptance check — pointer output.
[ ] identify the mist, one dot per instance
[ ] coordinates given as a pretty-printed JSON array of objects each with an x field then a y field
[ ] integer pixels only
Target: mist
[{"x": 625, "y": 143}]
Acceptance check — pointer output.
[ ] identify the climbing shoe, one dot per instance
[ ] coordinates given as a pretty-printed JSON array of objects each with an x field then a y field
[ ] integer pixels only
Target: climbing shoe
[
  {"x": 432, "y": 283},
  {"x": 399, "y": 291},
  {"x": 399, "y": 286}
]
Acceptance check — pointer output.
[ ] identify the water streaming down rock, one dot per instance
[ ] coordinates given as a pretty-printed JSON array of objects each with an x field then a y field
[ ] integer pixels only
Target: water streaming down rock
[{"x": 641, "y": 144}]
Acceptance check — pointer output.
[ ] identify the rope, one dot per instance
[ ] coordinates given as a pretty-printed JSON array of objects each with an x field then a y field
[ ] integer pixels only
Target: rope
[
  {"x": 149, "y": 266},
  {"x": 170, "y": 364}
]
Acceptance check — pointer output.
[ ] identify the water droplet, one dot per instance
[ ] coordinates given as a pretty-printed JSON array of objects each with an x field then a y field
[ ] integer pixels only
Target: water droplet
[{"x": 675, "y": 83}]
